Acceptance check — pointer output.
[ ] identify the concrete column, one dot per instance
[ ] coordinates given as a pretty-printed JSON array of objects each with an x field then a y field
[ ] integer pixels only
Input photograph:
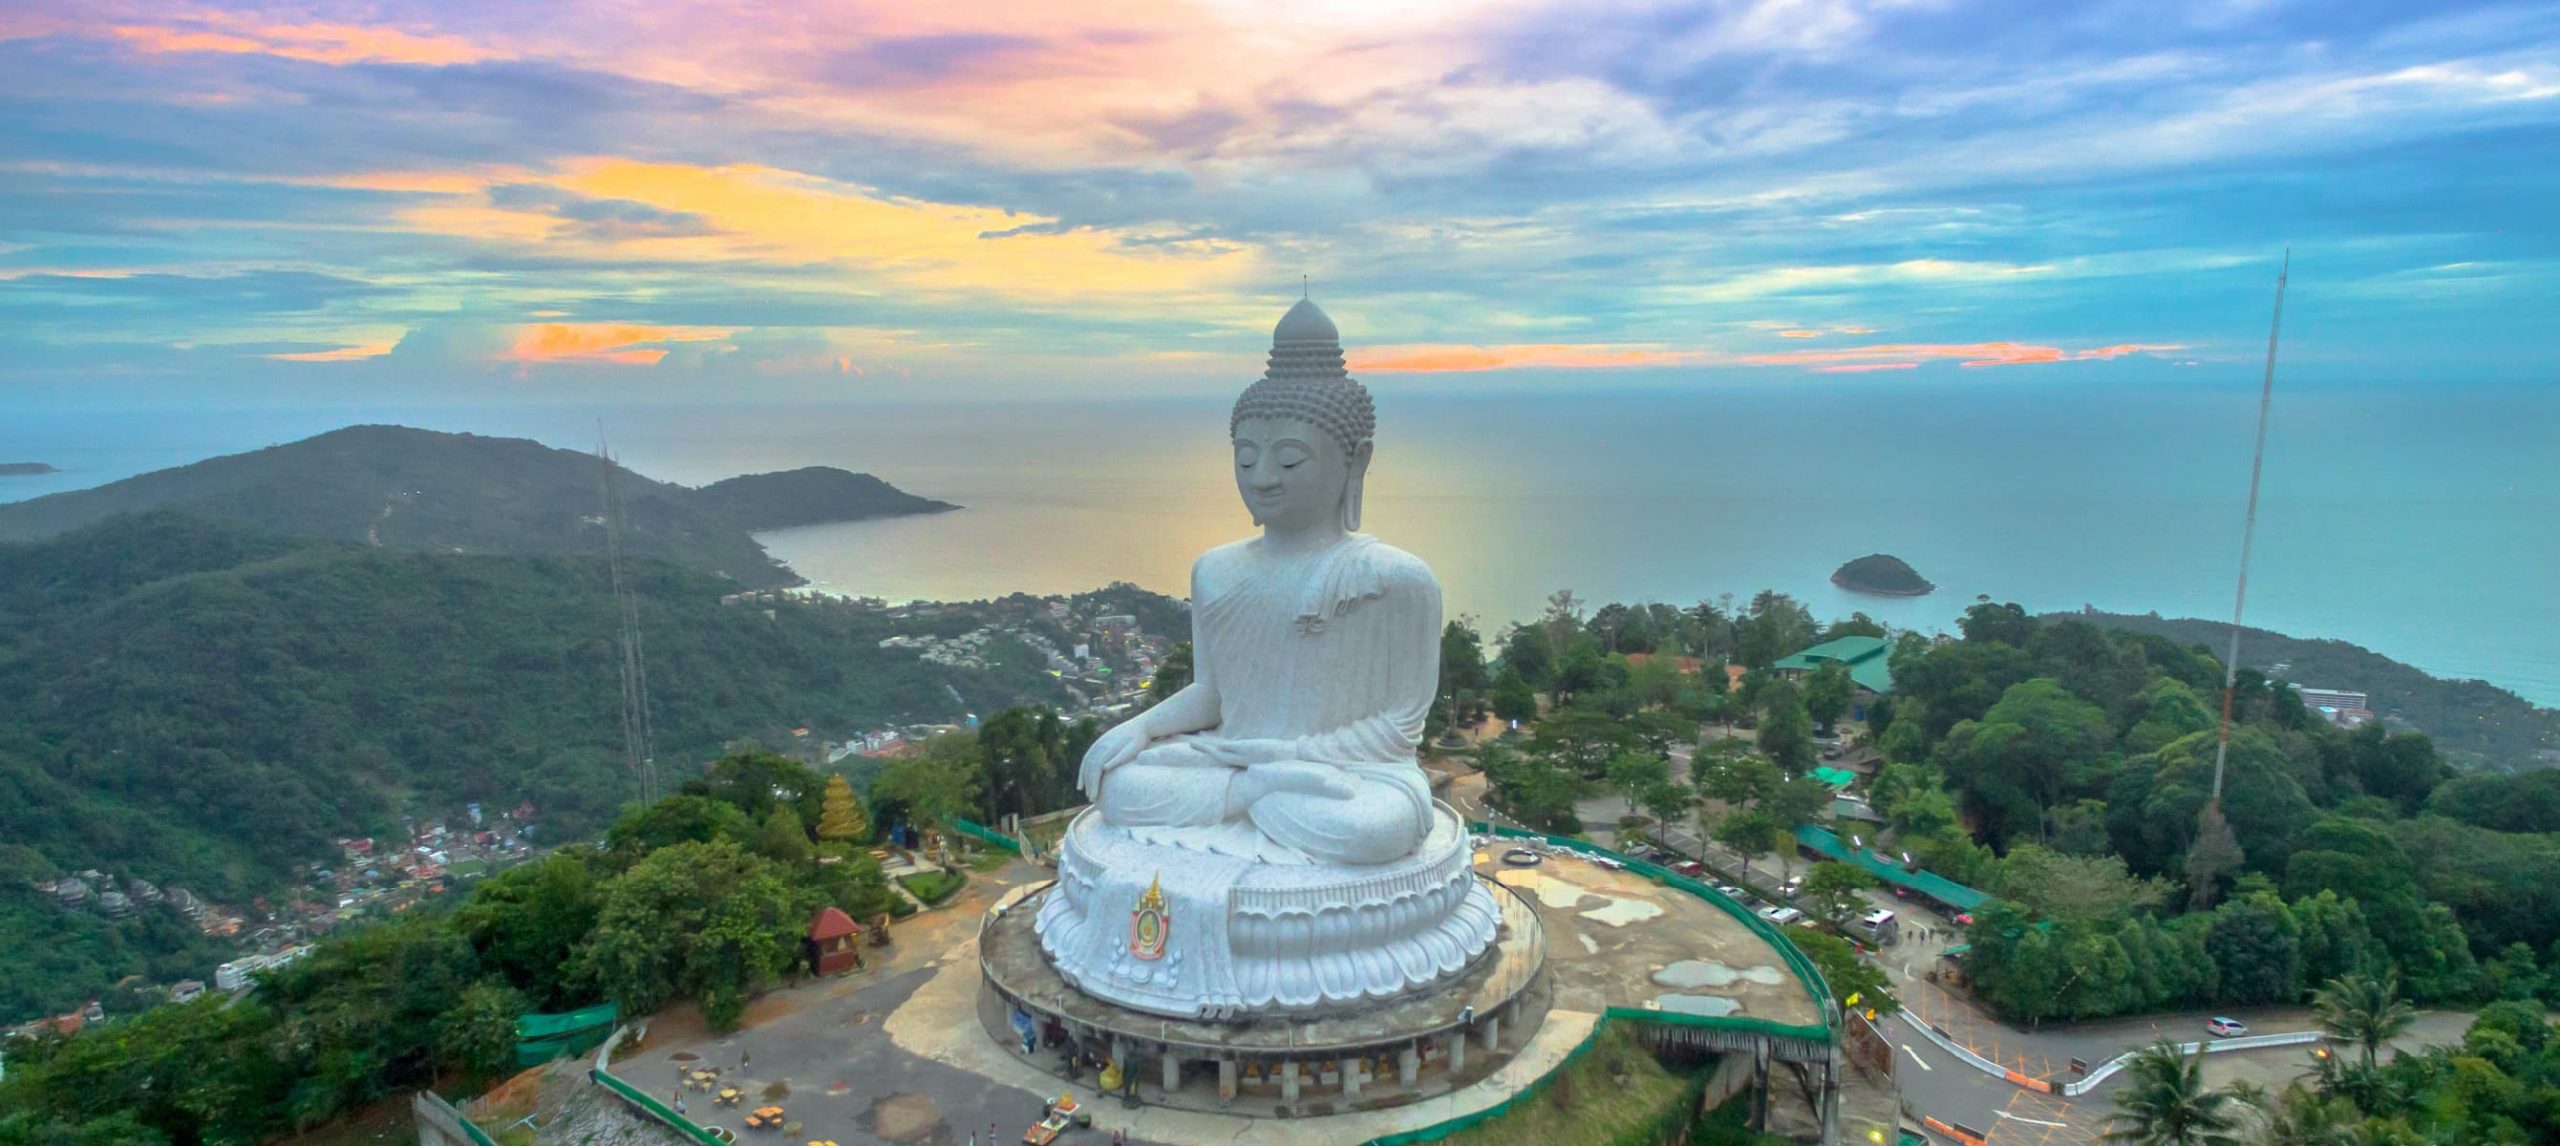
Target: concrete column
[
  {"x": 1351, "y": 1078},
  {"x": 1760, "y": 1081},
  {"x": 1289, "y": 1081},
  {"x": 1457, "y": 1051},
  {"x": 1227, "y": 1079},
  {"x": 1172, "y": 1072},
  {"x": 1408, "y": 1065},
  {"x": 1831, "y": 1100},
  {"x": 1492, "y": 1028}
]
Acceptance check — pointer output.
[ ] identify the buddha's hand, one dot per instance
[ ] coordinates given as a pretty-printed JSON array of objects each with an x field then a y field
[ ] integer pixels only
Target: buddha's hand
[
  {"x": 1112, "y": 749},
  {"x": 1287, "y": 776}
]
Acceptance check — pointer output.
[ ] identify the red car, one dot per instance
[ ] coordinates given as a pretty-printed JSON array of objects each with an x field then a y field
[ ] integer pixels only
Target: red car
[{"x": 1691, "y": 868}]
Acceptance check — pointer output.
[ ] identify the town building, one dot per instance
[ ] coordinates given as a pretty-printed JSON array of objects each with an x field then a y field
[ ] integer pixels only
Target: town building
[
  {"x": 2338, "y": 706},
  {"x": 1866, "y": 657}
]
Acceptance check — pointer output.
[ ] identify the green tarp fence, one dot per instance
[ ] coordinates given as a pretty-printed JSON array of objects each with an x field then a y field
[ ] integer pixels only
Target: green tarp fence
[
  {"x": 542, "y": 1038},
  {"x": 990, "y": 835},
  {"x": 1931, "y": 884},
  {"x": 654, "y": 1108}
]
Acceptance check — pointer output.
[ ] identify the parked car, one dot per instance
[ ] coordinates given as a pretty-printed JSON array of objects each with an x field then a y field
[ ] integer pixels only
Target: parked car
[
  {"x": 1733, "y": 891},
  {"x": 1691, "y": 868},
  {"x": 1789, "y": 889},
  {"x": 1780, "y": 915},
  {"x": 1607, "y": 862},
  {"x": 2226, "y": 1028}
]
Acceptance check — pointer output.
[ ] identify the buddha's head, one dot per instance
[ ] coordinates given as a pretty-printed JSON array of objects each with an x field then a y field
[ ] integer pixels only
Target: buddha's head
[{"x": 1303, "y": 433}]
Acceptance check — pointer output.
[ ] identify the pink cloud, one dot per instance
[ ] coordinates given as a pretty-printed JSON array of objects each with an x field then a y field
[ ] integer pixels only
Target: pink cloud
[
  {"x": 1896, "y": 356},
  {"x": 1436, "y": 359},
  {"x": 1865, "y": 367}
]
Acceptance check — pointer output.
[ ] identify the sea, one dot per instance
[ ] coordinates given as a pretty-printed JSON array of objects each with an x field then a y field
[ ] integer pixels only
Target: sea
[{"x": 2422, "y": 522}]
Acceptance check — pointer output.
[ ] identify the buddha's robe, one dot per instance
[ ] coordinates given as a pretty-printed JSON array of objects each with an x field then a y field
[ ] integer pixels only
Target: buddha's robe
[{"x": 1335, "y": 654}]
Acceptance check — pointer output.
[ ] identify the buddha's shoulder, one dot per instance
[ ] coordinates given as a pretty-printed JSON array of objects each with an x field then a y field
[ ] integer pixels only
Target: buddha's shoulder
[{"x": 1393, "y": 568}]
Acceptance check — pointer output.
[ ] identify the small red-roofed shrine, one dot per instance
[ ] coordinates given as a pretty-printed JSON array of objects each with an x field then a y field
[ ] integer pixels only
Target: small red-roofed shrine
[{"x": 834, "y": 939}]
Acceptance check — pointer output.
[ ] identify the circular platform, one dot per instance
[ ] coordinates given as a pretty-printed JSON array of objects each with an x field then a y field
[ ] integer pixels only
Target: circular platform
[
  {"x": 1193, "y": 925},
  {"x": 1016, "y": 969}
]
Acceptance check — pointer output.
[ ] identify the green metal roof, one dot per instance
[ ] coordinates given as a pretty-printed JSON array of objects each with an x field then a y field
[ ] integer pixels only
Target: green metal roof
[
  {"x": 1865, "y": 656},
  {"x": 1937, "y": 887},
  {"x": 1836, "y": 777}
]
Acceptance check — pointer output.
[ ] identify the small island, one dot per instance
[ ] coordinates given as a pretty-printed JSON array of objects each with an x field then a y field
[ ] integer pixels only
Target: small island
[
  {"x": 1882, "y": 575},
  {"x": 25, "y": 469}
]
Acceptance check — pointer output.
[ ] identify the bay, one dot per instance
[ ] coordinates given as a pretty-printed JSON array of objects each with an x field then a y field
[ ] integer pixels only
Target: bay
[{"x": 2421, "y": 522}]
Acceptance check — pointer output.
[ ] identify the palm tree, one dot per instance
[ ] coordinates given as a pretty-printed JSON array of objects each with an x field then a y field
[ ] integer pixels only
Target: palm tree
[
  {"x": 2300, "y": 1116},
  {"x": 2165, "y": 1103},
  {"x": 2365, "y": 1011}
]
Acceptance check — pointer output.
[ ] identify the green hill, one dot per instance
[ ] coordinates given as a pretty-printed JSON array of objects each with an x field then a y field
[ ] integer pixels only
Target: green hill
[
  {"x": 399, "y": 488},
  {"x": 814, "y": 495},
  {"x": 192, "y": 702},
  {"x": 2472, "y": 722}
]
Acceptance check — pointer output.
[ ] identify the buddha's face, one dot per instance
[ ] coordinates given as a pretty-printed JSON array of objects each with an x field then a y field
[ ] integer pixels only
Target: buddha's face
[{"x": 1293, "y": 474}]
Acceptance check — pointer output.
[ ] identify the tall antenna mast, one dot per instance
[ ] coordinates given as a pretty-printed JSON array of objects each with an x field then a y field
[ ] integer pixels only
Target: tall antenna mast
[
  {"x": 2249, "y": 532},
  {"x": 638, "y": 737}
]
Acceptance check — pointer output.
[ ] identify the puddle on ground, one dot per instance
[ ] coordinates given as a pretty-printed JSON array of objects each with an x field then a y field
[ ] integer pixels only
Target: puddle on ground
[
  {"x": 905, "y": 1118},
  {"x": 1691, "y": 974},
  {"x": 1713, "y": 1006},
  {"x": 1551, "y": 891},
  {"x": 1621, "y": 912},
  {"x": 683, "y": 1056},
  {"x": 777, "y": 1092}
]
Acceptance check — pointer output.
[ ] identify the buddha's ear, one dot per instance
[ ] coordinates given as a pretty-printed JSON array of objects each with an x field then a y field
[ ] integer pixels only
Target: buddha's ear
[{"x": 1359, "y": 459}]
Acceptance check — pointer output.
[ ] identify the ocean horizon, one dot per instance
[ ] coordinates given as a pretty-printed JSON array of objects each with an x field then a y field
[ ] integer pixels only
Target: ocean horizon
[{"x": 2413, "y": 521}]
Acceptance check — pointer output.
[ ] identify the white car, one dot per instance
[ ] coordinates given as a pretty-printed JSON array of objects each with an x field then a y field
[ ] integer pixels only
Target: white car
[
  {"x": 2226, "y": 1028},
  {"x": 1780, "y": 915}
]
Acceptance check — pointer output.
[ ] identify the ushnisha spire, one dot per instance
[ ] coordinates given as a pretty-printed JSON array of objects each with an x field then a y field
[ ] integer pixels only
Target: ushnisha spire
[{"x": 1306, "y": 379}]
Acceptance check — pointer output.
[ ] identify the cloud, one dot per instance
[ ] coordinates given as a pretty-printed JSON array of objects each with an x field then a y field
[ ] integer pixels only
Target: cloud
[
  {"x": 1428, "y": 359},
  {"x": 353, "y": 353},
  {"x": 323, "y": 43},
  {"x": 1899, "y": 356},
  {"x": 619, "y": 344}
]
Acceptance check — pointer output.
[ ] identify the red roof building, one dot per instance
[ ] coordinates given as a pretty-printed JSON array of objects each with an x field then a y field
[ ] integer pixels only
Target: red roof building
[{"x": 833, "y": 946}]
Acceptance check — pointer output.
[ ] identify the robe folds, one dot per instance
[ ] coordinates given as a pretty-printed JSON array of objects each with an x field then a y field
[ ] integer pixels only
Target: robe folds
[{"x": 1334, "y": 652}]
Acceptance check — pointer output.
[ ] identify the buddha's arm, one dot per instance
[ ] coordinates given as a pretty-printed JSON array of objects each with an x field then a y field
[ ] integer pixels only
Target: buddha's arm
[
  {"x": 1406, "y": 681},
  {"x": 1190, "y": 710}
]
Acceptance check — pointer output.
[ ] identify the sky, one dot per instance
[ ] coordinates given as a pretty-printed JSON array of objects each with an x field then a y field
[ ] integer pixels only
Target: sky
[{"x": 731, "y": 202}]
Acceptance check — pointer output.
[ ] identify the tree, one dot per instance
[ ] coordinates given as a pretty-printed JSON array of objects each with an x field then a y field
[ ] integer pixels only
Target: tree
[
  {"x": 2031, "y": 749},
  {"x": 1462, "y": 672},
  {"x": 1514, "y": 699},
  {"x": 781, "y": 838},
  {"x": 1833, "y": 889},
  {"x": 1786, "y": 732},
  {"x": 2300, "y": 1116},
  {"x": 1775, "y": 626},
  {"x": 2006, "y": 624},
  {"x": 1750, "y": 833},
  {"x": 528, "y": 922},
  {"x": 703, "y": 921},
  {"x": 1582, "y": 741},
  {"x": 478, "y": 1036},
  {"x": 840, "y": 821},
  {"x": 1530, "y": 789},
  {"x": 1854, "y": 982},
  {"x": 934, "y": 786},
  {"x": 2080, "y": 889},
  {"x": 2166, "y": 1103},
  {"x": 753, "y": 780},
  {"x": 2364, "y": 1011},
  {"x": 1172, "y": 676},
  {"x": 1528, "y": 653},
  {"x": 2258, "y": 946},
  {"x": 1827, "y": 690}
]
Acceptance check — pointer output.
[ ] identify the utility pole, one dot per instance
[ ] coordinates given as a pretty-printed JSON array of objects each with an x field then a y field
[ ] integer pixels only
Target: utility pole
[
  {"x": 2249, "y": 532},
  {"x": 638, "y": 737}
]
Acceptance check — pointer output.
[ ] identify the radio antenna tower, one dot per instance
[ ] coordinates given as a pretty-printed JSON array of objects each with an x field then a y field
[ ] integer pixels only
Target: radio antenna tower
[
  {"x": 2249, "y": 532},
  {"x": 638, "y": 738}
]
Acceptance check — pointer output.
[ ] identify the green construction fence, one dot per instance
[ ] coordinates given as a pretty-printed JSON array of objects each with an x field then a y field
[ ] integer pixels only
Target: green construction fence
[{"x": 988, "y": 835}]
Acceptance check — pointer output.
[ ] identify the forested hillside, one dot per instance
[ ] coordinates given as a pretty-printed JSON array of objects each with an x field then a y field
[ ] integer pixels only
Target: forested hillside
[
  {"x": 2474, "y": 723},
  {"x": 400, "y": 488},
  {"x": 193, "y": 702}
]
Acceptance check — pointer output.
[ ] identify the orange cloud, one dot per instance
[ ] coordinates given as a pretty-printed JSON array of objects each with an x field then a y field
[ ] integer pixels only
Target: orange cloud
[
  {"x": 627, "y": 345},
  {"x": 1865, "y": 367},
  {"x": 341, "y": 354},
  {"x": 1430, "y": 359},
  {"x": 1896, "y": 356},
  {"x": 1799, "y": 334},
  {"x": 317, "y": 42}
]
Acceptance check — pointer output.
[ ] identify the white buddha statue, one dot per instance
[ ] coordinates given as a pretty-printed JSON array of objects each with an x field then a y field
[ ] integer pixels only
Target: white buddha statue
[
  {"x": 1315, "y": 649},
  {"x": 1264, "y": 839}
]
